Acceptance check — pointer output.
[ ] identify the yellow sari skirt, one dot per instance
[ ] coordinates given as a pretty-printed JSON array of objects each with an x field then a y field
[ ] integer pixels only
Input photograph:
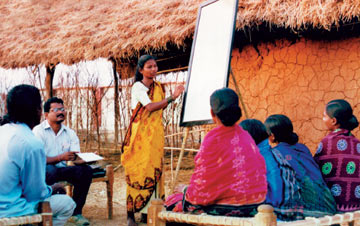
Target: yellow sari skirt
[{"x": 143, "y": 152}]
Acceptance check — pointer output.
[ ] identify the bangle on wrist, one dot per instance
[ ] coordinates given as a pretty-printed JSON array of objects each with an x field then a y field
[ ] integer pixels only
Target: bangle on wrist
[{"x": 169, "y": 99}]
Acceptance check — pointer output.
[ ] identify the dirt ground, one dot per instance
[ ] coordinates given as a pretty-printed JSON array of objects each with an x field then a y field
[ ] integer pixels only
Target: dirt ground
[{"x": 95, "y": 208}]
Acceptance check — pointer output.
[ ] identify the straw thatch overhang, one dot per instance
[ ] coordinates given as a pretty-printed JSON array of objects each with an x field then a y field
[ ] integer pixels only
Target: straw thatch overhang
[
  {"x": 171, "y": 58},
  {"x": 265, "y": 33},
  {"x": 34, "y": 32}
]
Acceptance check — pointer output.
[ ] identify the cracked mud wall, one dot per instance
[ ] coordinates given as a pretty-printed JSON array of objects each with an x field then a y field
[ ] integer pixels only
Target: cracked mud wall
[{"x": 298, "y": 79}]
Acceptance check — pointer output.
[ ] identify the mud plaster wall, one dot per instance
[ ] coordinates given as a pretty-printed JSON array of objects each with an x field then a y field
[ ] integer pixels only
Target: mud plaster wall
[{"x": 298, "y": 79}]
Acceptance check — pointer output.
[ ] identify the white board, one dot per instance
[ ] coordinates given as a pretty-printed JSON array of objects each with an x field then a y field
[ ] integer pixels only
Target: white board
[{"x": 210, "y": 59}]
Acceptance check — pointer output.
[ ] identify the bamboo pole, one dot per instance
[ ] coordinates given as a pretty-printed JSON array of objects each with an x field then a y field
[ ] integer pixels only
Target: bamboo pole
[
  {"x": 185, "y": 149},
  {"x": 186, "y": 133},
  {"x": 172, "y": 70},
  {"x": 239, "y": 94},
  {"x": 192, "y": 131}
]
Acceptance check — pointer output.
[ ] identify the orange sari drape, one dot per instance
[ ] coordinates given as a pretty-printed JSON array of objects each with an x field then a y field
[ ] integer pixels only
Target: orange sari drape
[{"x": 142, "y": 153}]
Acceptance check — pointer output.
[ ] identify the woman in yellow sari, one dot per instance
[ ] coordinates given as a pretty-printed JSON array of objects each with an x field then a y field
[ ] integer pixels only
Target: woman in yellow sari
[{"x": 143, "y": 147}]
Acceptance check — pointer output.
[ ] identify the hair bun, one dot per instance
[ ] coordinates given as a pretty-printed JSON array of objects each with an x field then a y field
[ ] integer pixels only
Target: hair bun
[
  {"x": 229, "y": 116},
  {"x": 342, "y": 111},
  {"x": 294, "y": 138},
  {"x": 352, "y": 123}
]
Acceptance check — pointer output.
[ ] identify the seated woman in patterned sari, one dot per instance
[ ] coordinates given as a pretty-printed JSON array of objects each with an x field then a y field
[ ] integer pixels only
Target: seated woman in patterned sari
[
  {"x": 338, "y": 155},
  {"x": 283, "y": 187},
  {"x": 317, "y": 199},
  {"x": 230, "y": 175}
]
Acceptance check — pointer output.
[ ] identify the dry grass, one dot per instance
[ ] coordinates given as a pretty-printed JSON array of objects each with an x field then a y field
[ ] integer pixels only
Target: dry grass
[{"x": 34, "y": 32}]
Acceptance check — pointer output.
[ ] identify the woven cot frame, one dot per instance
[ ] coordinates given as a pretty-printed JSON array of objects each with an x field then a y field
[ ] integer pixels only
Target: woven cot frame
[
  {"x": 44, "y": 217},
  {"x": 157, "y": 216}
]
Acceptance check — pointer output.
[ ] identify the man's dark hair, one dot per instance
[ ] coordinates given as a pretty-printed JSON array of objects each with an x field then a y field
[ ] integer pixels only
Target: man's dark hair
[
  {"x": 23, "y": 103},
  {"x": 50, "y": 101}
]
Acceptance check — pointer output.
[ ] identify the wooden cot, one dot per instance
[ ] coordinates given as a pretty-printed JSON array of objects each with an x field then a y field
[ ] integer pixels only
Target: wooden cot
[
  {"x": 44, "y": 217},
  {"x": 157, "y": 216}
]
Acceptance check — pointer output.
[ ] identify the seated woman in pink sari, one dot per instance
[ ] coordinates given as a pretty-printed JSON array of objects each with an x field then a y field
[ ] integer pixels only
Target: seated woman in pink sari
[{"x": 230, "y": 174}]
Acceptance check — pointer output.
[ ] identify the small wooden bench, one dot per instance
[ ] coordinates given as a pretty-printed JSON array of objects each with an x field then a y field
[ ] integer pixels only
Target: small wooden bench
[
  {"x": 109, "y": 180},
  {"x": 44, "y": 217},
  {"x": 157, "y": 216}
]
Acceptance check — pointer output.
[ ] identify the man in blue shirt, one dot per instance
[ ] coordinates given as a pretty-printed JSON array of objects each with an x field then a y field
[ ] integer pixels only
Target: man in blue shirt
[{"x": 23, "y": 160}]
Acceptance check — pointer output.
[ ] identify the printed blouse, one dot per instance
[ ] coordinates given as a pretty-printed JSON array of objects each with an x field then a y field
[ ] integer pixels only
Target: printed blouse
[{"x": 338, "y": 156}]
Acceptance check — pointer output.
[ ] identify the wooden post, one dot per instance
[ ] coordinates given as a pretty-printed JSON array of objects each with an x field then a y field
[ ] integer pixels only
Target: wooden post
[
  {"x": 50, "y": 72},
  {"x": 116, "y": 101},
  {"x": 69, "y": 189},
  {"x": 356, "y": 222},
  {"x": 109, "y": 189},
  {"x": 156, "y": 206},
  {"x": 265, "y": 216},
  {"x": 67, "y": 185},
  {"x": 46, "y": 213},
  {"x": 187, "y": 129}
]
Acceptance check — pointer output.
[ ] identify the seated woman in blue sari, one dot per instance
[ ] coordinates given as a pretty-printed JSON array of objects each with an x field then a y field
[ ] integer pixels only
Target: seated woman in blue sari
[
  {"x": 283, "y": 187},
  {"x": 317, "y": 199}
]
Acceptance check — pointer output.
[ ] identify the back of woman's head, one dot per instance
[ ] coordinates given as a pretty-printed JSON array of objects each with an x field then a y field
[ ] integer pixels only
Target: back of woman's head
[
  {"x": 225, "y": 105},
  {"x": 342, "y": 111},
  {"x": 256, "y": 129},
  {"x": 282, "y": 129},
  {"x": 140, "y": 65}
]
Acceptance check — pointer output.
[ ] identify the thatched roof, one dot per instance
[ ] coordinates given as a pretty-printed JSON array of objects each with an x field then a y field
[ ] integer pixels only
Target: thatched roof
[{"x": 68, "y": 31}]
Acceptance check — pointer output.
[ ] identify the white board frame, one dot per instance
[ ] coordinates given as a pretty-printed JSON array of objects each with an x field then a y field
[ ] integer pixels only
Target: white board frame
[{"x": 210, "y": 58}]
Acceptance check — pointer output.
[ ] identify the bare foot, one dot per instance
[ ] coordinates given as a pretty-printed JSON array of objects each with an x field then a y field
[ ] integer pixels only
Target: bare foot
[
  {"x": 131, "y": 222},
  {"x": 143, "y": 218}
]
